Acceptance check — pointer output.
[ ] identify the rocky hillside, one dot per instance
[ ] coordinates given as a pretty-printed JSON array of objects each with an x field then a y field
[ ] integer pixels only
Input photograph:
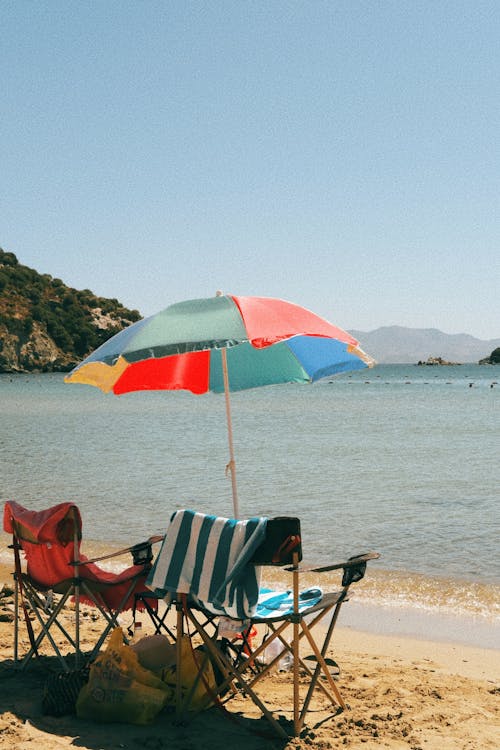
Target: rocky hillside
[{"x": 46, "y": 326}]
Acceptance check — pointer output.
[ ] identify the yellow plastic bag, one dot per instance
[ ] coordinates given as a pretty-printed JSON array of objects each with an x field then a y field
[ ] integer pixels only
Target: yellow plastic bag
[
  {"x": 191, "y": 661},
  {"x": 120, "y": 689}
]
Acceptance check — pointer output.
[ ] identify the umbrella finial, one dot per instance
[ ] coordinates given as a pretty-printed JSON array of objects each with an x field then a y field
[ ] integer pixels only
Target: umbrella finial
[{"x": 218, "y": 293}]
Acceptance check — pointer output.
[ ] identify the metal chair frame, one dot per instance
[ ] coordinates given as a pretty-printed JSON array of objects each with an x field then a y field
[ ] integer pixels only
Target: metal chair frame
[
  {"x": 240, "y": 671},
  {"x": 47, "y": 602}
]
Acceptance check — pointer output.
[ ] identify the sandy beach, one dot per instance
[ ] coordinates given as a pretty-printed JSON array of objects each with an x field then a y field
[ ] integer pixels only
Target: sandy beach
[{"x": 400, "y": 692}]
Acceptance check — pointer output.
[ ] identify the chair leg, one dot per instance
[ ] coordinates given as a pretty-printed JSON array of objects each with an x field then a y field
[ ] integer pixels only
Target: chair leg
[
  {"x": 236, "y": 675},
  {"x": 324, "y": 667},
  {"x": 324, "y": 649},
  {"x": 158, "y": 620},
  {"x": 77, "y": 626},
  {"x": 16, "y": 620},
  {"x": 178, "y": 668},
  {"x": 301, "y": 630},
  {"x": 263, "y": 671},
  {"x": 111, "y": 616},
  {"x": 296, "y": 687},
  {"x": 45, "y": 632}
]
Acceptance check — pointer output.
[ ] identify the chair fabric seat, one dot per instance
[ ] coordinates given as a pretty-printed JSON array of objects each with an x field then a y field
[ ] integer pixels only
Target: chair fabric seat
[{"x": 111, "y": 587}]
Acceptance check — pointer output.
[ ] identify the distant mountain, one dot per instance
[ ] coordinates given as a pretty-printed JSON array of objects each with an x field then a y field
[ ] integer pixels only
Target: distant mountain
[
  {"x": 46, "y": 326},
  {"x": 399, "y": 345}
]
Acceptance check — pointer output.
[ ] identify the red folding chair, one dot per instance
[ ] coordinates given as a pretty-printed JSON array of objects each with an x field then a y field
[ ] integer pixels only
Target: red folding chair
[{"x": 56, "y": 573}]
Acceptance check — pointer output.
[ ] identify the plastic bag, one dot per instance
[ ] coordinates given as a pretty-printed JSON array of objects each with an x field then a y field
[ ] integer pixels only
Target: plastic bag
[
  {"x": 196, "y": 689},
  {"x": 272, "y": 651},
  {"x": 155, "y": 652},
  {"x": 120, "y": 689}
]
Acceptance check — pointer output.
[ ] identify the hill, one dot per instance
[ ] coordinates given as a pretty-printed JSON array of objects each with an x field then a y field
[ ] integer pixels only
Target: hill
[
  {"x": 46, "y": 326},
  {"x": 399, "y": 345}
]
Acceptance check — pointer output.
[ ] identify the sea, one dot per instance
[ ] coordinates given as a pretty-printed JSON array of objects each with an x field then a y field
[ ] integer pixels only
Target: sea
[{"x": 400, "y": 459}]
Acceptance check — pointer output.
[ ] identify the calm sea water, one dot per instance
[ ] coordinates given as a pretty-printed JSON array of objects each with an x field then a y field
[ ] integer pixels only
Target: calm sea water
[{"x": 401, "y": 459}]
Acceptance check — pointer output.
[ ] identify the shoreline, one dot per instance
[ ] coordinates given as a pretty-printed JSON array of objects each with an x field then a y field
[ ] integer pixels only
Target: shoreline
[
  {"x": 401, "y": 617},
  {"x": 369, "y": 621},
  {"x": 420, "y": 625}
]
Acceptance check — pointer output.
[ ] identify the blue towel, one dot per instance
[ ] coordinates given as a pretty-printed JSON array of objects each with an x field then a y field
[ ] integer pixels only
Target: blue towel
[
  {"x": 208, "y": 558},
  {"x": 275, "y": 603}
]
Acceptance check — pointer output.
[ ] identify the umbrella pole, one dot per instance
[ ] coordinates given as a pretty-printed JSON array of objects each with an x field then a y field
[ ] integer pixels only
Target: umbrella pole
[{"x": 232, "y": 464}]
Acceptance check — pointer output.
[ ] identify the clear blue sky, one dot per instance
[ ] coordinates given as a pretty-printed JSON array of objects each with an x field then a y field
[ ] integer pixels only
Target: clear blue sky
[{"x": 342, "y": 154}]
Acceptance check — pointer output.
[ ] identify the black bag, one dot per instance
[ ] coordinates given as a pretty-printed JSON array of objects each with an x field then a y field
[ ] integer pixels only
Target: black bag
[{"x": 61, "y": 691}]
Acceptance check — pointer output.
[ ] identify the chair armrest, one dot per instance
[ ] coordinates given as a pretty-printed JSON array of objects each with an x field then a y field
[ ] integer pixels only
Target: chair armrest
[
  {"x": 350, "y": 563},
  {"x": 135, "y": 549}
]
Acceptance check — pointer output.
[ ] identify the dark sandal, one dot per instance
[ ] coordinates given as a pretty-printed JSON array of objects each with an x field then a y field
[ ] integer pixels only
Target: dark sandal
[{"x": 334, "y": 667}]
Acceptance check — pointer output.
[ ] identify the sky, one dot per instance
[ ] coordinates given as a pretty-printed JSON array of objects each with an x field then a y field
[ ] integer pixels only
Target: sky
[{"x": 343, "y": 155}]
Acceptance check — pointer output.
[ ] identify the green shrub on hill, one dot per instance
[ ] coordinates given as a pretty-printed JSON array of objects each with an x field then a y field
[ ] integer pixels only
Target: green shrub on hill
[{"x": 75, "y": 320}]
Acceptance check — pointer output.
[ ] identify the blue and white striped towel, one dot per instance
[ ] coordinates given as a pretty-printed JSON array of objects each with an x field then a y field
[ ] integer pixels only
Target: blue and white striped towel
[
  {"x": 273, "y": 604},
  {"x": 208, "y": 558}
]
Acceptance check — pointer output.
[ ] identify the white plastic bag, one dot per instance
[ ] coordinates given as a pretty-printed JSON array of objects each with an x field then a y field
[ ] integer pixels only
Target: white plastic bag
[{"x": 270, "y": 653}]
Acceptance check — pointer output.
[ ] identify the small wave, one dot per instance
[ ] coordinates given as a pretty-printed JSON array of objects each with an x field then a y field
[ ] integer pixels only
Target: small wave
[
  {"x": 400, "y": 590},
  {"x": 381, "y": 588}
]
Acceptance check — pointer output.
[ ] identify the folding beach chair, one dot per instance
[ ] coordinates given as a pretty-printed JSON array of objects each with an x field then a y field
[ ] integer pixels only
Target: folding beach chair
[
  {"x": 209, "y": 568},
  {"x": 57, "y": 574}
]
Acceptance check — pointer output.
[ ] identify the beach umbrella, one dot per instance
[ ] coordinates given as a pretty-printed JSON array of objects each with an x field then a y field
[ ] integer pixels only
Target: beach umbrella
[{"x": 223, "y": 343}]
